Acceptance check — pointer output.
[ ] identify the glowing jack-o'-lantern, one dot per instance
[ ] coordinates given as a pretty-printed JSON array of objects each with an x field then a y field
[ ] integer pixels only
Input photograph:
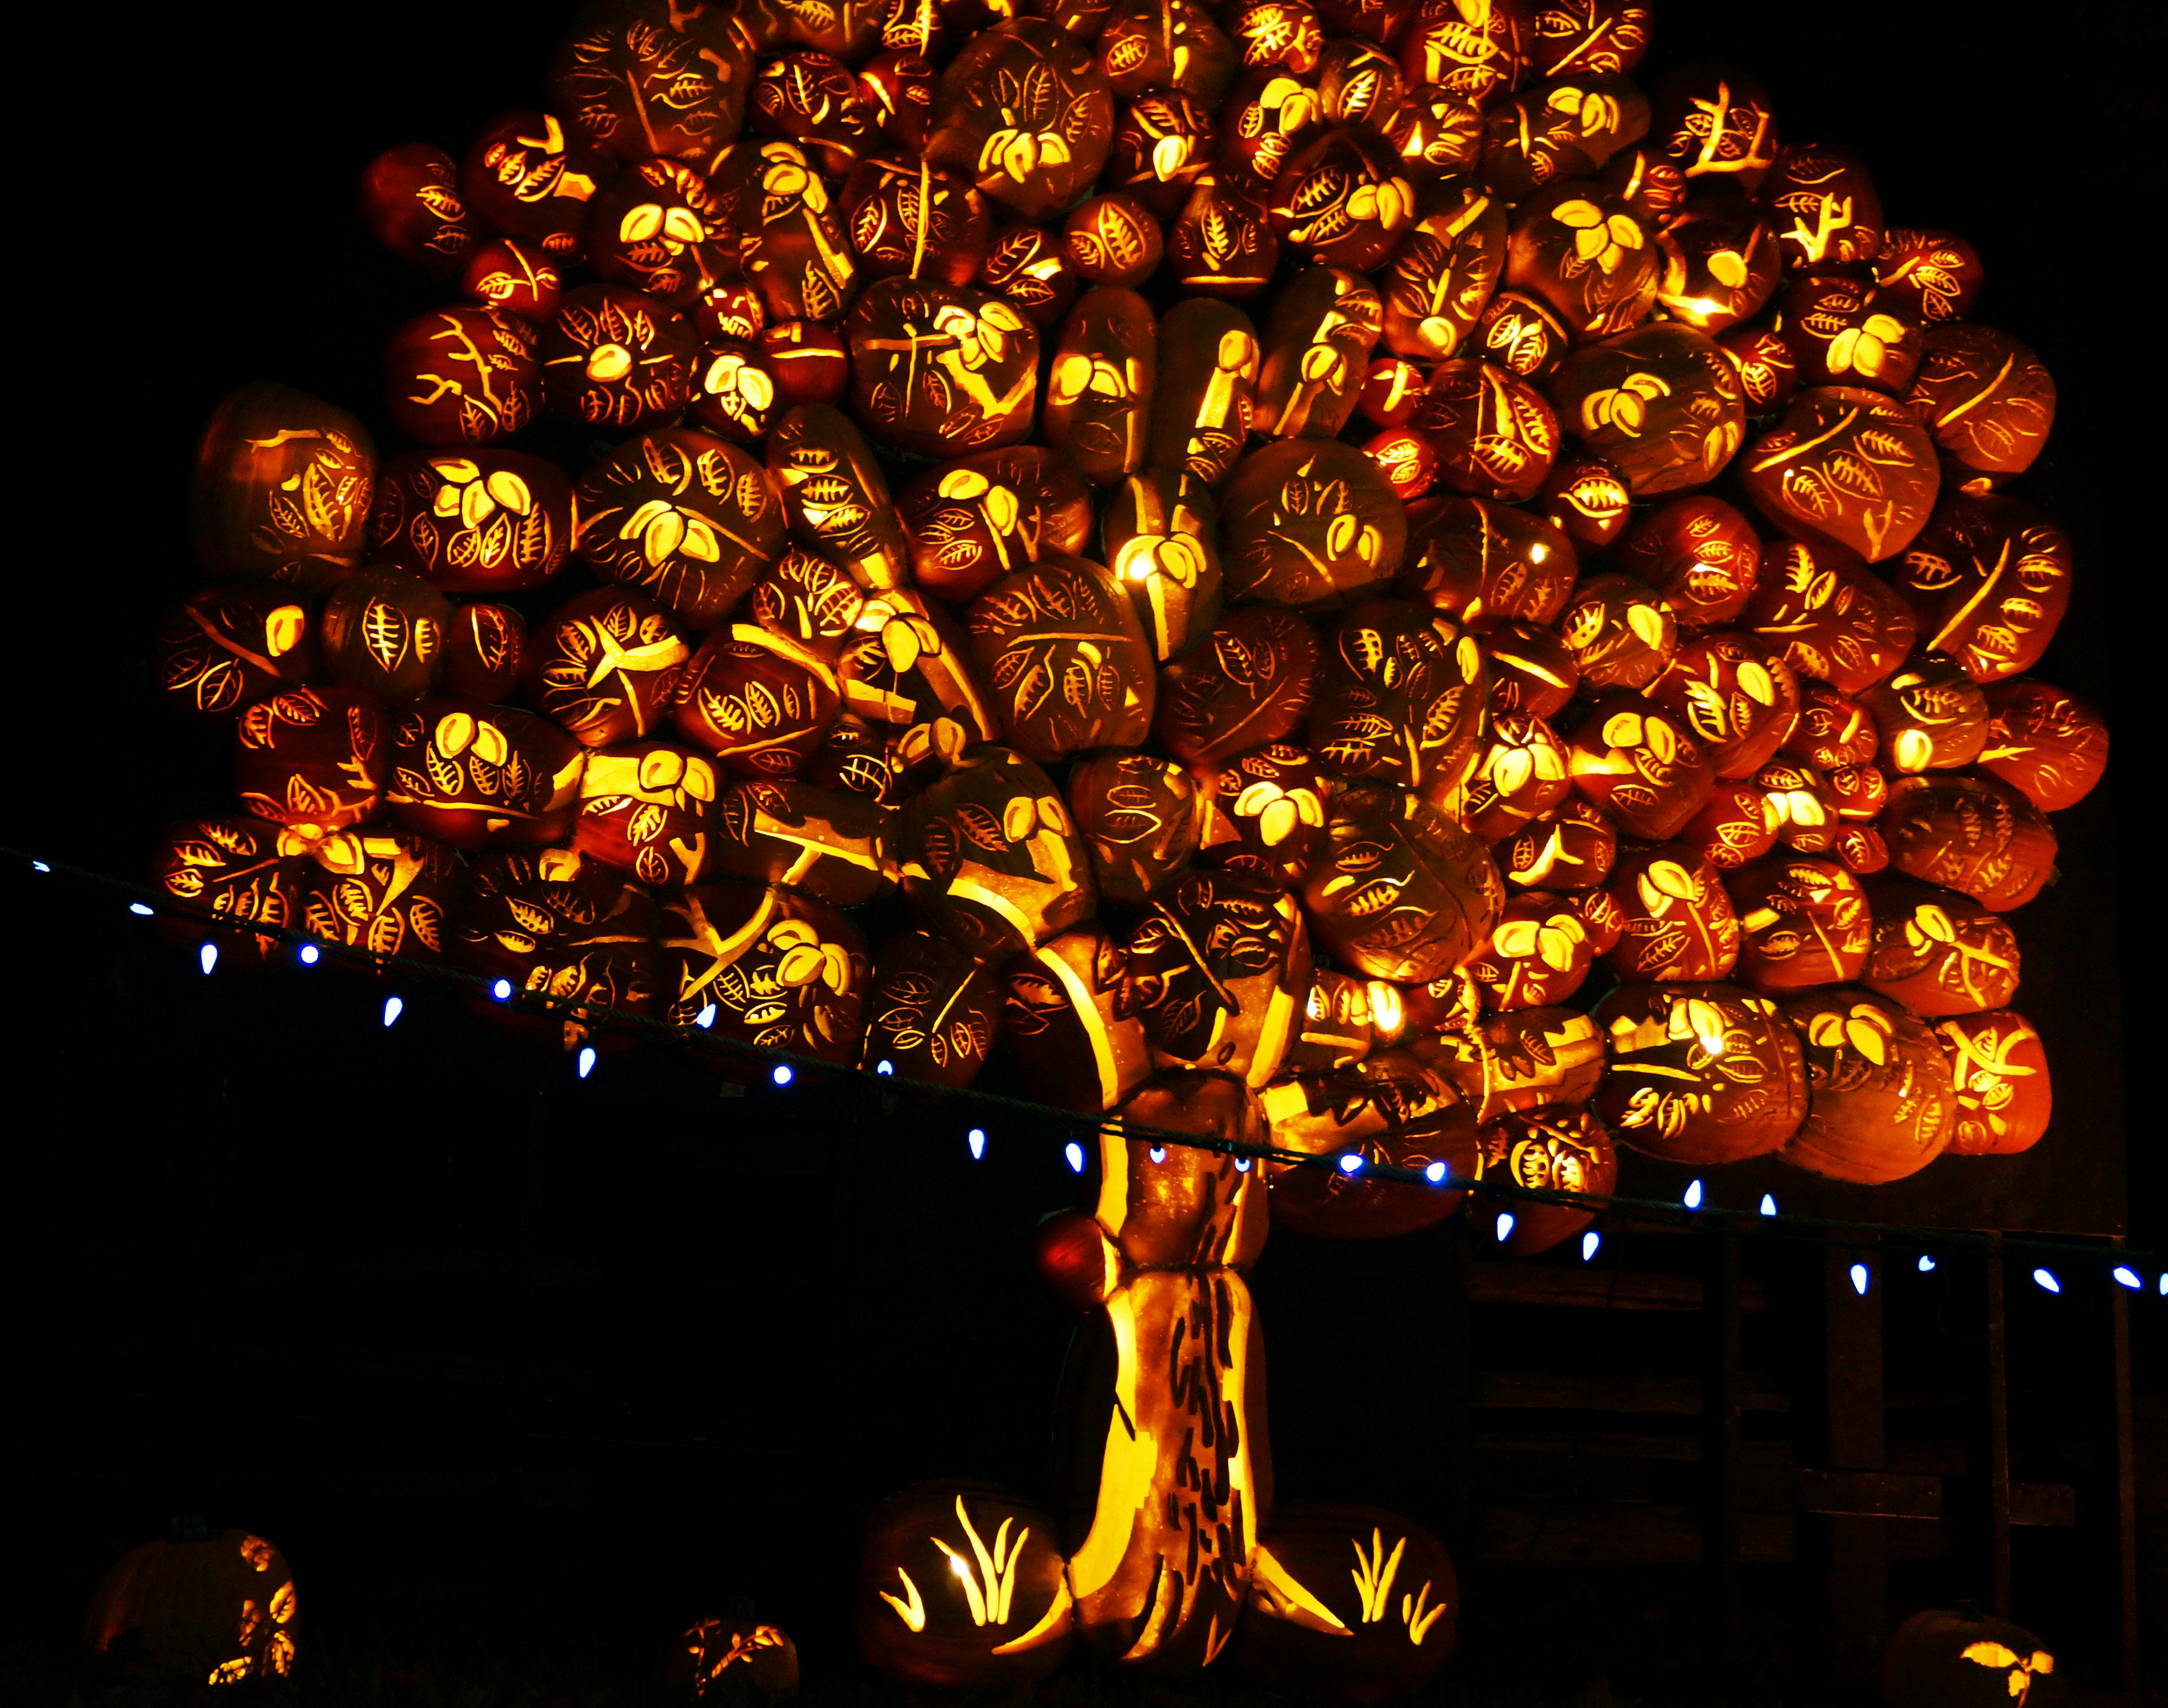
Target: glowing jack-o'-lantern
[
  {"x": 1401, "y": 892},
  {"x": 1168, "y": 1377},
  {"x": 1530, "y": 671},
  {"x": 941, "y": 370},
  {"x": 1028, "y": 266},
  {"x": 1999, "y": 1072},
  {"x": 563, "y": 929},
  {"x": 1219, "y": 966},
  {"x": 1249, "y": 682},
  {"x": 1544, "y": 1150},
  {"x": 1538, "y": 955},
  {"x": 832, "y": 845},
  {"x": 383, "y": 892},
  {"x": 1938, "y": 952},
  {"x": 906, "y": 669},
  {"x": 1932, "y": 716},
  {"x": 1677, "y": 921},
  {"x": 1522, "y": 775},
  {"x": 1699, "y": 554},
  {"x": 384, "y": 634},
  {"x": 1716, "y": 123},
  {"x": 1099, "y": 390},
  {"x": 1571, "y": 848},
  {"x": 641, "y": 78},
  {"x": 1804, "y": 923},
  {"x": 1969, "y": 833},
  {"x": 235, "y": 869},
  {"x": 1138, "y": 815},
  {"x": 1588, "y": 255},
  {"x": 1844, "y": 467},
  {"x": 1161, "y": 535},
  {"x": 462, "y": 375},
  {"x": 1988, "y": 579},
  {"x": 1265, "y": 813},
  {"x": 1206, "y": 398},
  {"x": 481, "y": 521},
  {"x": 931, "y": 1012},
  {"x": 1401, "y": 697},
  {"x": 616, "y": 357},
  {"x": 1069, "y": 667},
  {"x": 205, "y": 1608},
  {"x": 1661, "y": 402},
  {"x": 410, "y": 201},
  {"x": 1038, "y": 156},
  {"x": 1337, "y": 1029},
  {"x": 1721, "y": 264},
  {"x": 835, "y": 498},
  {"x": 1163, "y": 144},
  {"x": 525, "y": 178},
  {"x": 1827, "y": 616},
  {"x": 1879, "y": 1102},
  {"x": 781, "y": 970},
  {"x": 475, "y": 775},
  {"x": 279, "y": 476},
  {"x": 311, "y": 759},
  {"x": 605, "y": 665},
  {"x": 1986, "y": 398},
  {"x": 1732, "y": 695},
  {"x": 1312, "y": 523},
  {"x": 758, "y": 701},
  {"x": 988, "y": 515},
  {"x": 686, "y": 517},
  {"x": 1529, "y": 1059},
  {"x": 1937, "y": 1658},
  {"x": 1068, "y": 1015},
  {"x": 1631, "y": 758},
  {"x": 1698, "y": 1073},
  {"x": 905, "y": 217},
  {"x": 229, "y": 645},
  {"x": 1495, "y": 435},
  {"x": 644, "y": 808},
  {"x": 1474, "y": 560},
  {"x": 1562, "y": 128},
  {"x": 1347, "y": 1604},
  {"x": 1620, "y": 635},
  {"x": 725, "y": 1658},
  {"x": 2048, "y": 744},
  {"x": 990, "y": 857}
]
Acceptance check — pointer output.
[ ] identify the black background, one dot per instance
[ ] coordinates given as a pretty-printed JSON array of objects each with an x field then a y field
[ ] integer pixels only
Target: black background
[{"x": 489, "y": 1351}]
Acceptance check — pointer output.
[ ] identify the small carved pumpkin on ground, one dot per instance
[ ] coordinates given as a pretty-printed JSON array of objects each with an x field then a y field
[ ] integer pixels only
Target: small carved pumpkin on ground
[
  {"x": 962, "y": 1583},
  {"x": 724, "y": 1657},
  {"x": 1347, "y": 1603},
  {"x": 205, "y": 1608}
]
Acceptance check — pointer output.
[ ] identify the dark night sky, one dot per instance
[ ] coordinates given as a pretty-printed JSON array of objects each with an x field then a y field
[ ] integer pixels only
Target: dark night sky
[{"x": 276, "y": 1264}]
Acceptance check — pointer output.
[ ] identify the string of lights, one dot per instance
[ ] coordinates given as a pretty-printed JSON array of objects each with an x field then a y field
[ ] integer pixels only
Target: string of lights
[{"x": 2126, "y": 1268}]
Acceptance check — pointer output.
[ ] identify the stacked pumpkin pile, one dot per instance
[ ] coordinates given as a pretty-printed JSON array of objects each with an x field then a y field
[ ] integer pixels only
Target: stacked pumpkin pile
[{"x": 1292, "y": 532}]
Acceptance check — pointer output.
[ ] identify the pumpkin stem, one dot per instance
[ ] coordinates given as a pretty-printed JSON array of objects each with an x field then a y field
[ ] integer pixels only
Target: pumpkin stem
[
  {"x": 191, "y": 1527},
  {"x": 1971, "y": 1611}
]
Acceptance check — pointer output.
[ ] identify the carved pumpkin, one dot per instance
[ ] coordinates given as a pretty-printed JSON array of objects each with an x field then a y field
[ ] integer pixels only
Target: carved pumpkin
[
  {"x": 311, "y": 759},
  {"x": 1401, "y": 697},
  {"x": 605, "y": 665},
  {"x": 462, "y": 375},
  {"x": 1985, "y": 398},
  {"x": 1620, "y": 635},
  {"x": 1999, "y": 1072},
  {"x": 1988, "y": 579},
  {"x": 230, "y": 646},
  {"x": 410, "y": 201},
  {"x": 1544, "y": 1150},
  {"x": 781, "y": 970},
  {"x": 1699, "y": 555},
  {"x": 1219, "y": 968},
  {"x": 558, "y": 926},
  {"x": 645, "y": 808},
  {"x": 941, "y": 370},
  {"x": 1969, "y": 833},
  {"x": 1265, "y": 813},
  {"x": 279, "y": 476},
  {"x": 480, "y": 521},
  {"x": 1529, "y": 1059},
  {"x": 991, "y": 858},
  {"x": 1698, "y": 1073},
  {"x": 236, "y": 868},
  {"x": 1571, "y": 848},
  {"x": 962, "y": 1583},
  {"x": 641, "y": 78},
  {"x": 1248, "y": 683},
  {"x": 1068, "y": 661},
  {"x": 1312, "y": 523},
  {"x": 1038, "y": 158},
  {"x": 1347, "y": 1604},
  {"x": 477, "y": 775},
  {"x": 982, "y": 517},
  {"x": 835, "y": 498},
  {"x": 2048, "y": 745},
  {"x": 1961, "y": 1659},
  {"x": 524, "y": 177},
  {"x": 1522, "y": 775},
  {"x": 617, "y": 358},
  {"x": 834, "y": 846},
  {"x": 1401, "y": 892},
  {"x": 1099, "y": 389},
  {"x": 1661, "y": 402},
  {"x": 1824, "y": 206},
  {"x": 1939, "y": 952},
  {"x": 1844, "y": 467},
  {"x": 205, "y": 1608},
  {"x": 1474, "y": 560},
  {"x": 383, "y": 892},
  {"x": 1206, "y": 398},
  {"x": 688, "y": 519},
  {"x": 1631, "y": 758},
  {"x": 1495, "y": 435},
  {"x": 1138, "y": 814},
  {"x": 1733, "y": 695},
  {"x": 1827, "y": 616},
  {"x": 384, "y": 634},
  {"x": 931, "y": 1011},
  {"x": 725, "y": 1657},
  {"x": 1538, "y": 954},
  {"x": 1879, "y": 1102},
  {"x": 1677, "y": 921},
  {"x": 759, "y": 701},
  {"x": 1803, "y": 922},
  {"x": 1070, "y": 1016},
  {"x": 1932, "y": 716}
]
